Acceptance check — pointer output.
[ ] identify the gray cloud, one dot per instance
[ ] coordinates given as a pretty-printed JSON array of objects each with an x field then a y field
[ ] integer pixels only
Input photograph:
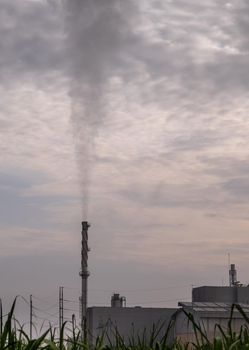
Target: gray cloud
[
  {"x": 19, "y": 208},
  {"x": 31, "y": 41},
  {"x": 166, "y": 85},
  {"x": 172, "y": 196},
  {"x": 238, "y": 187},
  {"x": 226, "y": 166}
]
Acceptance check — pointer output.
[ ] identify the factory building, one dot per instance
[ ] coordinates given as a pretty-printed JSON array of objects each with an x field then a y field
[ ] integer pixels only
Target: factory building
[
  {"x": 129, "y": 322},
  {"x": 211, "y": 306},
  {"x": 207, "y": 315}
]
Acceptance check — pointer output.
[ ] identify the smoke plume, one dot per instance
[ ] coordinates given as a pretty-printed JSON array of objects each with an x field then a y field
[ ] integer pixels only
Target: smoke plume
[{"x": 96, "y": 32}]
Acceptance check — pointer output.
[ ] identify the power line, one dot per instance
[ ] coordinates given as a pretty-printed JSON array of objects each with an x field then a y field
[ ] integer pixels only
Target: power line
[
  {"x": 47, "y": 313},
  {"x": 71, "y": 301},
  {"x": 44, "y": 299},
  {"x": 71, "y": 310},
  {"x": 24, "y": 299},
  {"x": 47, "y": 309},
  {"x": 39, "y": 309},
  {"x": 45, "y": 319}
]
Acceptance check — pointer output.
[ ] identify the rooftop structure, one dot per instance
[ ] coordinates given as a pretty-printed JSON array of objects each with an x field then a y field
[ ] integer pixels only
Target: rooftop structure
[{"x": 230, "y": 295}]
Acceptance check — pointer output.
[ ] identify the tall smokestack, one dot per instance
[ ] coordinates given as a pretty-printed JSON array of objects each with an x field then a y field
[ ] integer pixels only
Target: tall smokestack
[
  {"x": 84, "y": 276},
  {"x": 232, "y": 276}
]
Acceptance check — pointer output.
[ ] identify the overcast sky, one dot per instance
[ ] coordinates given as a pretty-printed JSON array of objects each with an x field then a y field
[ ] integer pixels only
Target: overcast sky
[{"x": 134, "y": 113}]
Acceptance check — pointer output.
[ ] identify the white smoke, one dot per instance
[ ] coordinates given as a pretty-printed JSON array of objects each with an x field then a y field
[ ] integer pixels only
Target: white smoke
[{"x": 96, "y": 34}]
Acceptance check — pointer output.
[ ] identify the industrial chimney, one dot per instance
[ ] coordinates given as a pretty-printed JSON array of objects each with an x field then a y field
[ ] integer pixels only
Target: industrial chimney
[
  {"x": 233, "y": 276},
  {"x": 84, "y": 276}
]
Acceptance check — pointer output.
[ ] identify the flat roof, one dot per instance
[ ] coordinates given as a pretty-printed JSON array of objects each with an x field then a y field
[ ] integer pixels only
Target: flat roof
[
  {"x": 212, "y": 307},
  {"x": 131, "y": 308}
]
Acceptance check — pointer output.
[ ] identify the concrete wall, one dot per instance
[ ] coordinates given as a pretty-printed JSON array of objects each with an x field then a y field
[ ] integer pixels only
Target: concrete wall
[
  {"x": 130, "y": 322},
  {"x": 221, "y": 294},
  {"x": 243, "y": 295}
]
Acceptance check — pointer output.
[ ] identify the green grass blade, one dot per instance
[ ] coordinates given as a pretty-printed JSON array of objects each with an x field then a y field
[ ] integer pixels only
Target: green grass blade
[
  {"x": 7, "y": 330},
  {"x": 36, "y": 343}
]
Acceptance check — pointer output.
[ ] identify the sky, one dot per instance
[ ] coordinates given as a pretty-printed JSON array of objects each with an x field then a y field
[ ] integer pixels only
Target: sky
[{"x": 133, "y": 116}]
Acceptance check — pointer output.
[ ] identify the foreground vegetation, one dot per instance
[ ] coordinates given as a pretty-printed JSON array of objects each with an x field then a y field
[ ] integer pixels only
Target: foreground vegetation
[{"x": 13, "y": 337}]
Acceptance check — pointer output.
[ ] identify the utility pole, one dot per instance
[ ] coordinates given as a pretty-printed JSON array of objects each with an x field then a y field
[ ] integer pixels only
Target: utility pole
[
  {"x": 61, "y": 307},
  {"x": 30, "y": 316},
  {"x": 1, "y": 317}
]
